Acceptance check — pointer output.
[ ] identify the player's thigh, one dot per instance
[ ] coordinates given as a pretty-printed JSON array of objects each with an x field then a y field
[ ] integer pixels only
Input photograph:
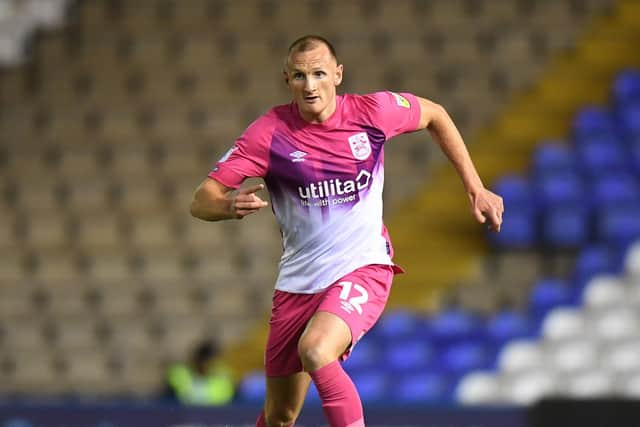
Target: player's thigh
[
  {"x": 326, "y": 335},
  {"x": 285, "y": 395}
]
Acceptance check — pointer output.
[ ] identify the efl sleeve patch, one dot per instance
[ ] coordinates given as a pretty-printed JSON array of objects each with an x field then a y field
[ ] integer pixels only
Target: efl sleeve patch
[{"x": 401, "y": 100}]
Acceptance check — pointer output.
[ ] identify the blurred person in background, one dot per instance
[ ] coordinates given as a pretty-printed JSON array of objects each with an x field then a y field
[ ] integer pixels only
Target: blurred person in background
[
  {"x": 202, "y": 381},
  {"x": 321, "y": 157}
]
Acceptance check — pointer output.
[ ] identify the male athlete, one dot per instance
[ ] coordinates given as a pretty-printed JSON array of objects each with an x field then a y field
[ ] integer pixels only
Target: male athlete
[{"x": 321, "y": 157}]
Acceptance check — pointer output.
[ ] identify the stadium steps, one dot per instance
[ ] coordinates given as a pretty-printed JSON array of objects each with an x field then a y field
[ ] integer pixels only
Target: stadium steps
[{"x": 435, "y": 237}]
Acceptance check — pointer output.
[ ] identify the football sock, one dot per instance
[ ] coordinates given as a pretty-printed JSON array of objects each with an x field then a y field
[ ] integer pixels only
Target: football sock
[{"x": 340, "y": 400}]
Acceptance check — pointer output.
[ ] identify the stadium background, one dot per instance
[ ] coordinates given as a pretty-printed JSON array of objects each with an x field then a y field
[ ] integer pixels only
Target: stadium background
[{"x": 112, "y": 111}]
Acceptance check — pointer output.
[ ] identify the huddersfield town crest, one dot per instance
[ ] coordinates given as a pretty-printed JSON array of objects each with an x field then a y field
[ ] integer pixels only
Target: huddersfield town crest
[{"x": 360, "y": 146}]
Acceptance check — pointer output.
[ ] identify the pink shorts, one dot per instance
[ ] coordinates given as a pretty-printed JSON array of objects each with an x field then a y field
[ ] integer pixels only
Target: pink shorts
[{"x": 358, "y": 298}]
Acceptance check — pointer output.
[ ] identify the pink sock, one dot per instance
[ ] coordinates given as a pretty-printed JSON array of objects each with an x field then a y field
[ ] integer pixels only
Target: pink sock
[{"x": 340, "y": 400}]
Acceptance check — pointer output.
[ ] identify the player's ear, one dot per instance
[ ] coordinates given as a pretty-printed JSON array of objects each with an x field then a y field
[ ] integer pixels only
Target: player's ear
[
  {"x": 338, "y": 77},
  {"x": 286, "y": 77}
]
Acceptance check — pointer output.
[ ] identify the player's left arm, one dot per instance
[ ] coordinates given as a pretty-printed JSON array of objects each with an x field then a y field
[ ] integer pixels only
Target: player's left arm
[{"x": 485, "y": 205}]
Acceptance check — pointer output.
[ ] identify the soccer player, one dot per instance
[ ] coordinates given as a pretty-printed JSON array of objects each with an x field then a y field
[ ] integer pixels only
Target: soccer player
[{"x": 321, "y": 157}]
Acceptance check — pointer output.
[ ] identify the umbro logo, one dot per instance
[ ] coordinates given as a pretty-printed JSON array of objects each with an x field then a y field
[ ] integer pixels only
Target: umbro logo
[{"x": 298, "y": 156}]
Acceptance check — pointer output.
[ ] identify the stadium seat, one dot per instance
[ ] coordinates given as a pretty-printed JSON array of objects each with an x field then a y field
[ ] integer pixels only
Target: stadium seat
[
  {"x": 566, "y": 226},
  {"x": 521, "y": 355},
  {"x": 557, "y": 189},
  {"x": 588, "y": 385},
  {"x": 420, "y": 387},
  {"x": 505, "y": 326},
  {"x": 617, "y": 324},
  {"x": 452, "y": 326},
  {"x": 616, "y": 189},
  {"x": 33, "y": 373},
  {"x": 479, "y": 388},
  {"x": 518, "y": 229},
  {"x": 593, "y": 259},
  {"x": 409, "y": 355},
  {"x": 622, "y": 358},
  {"x": 365, "y": 355},
  {"x": 109, "y": 266},
  {"x": 462, "y": 358},
  {"x": 553, "y": 157},
  {"x": 618, "y": 225},
  {"x": 564, "y": 323},
  {"x": 604, "y": 291},
  {"x": 634, "y": 155},
  {"x": 252, "y": 388},
  {"x": 591, "y": 122},
  {"x": 397, "y": 325},
  {"x": 573, "y": 355},
  {"x": 626, "y": 87},
  {"x": 631, "y": 386},
  {"x": 629, "y": 119},
  {"x": 372, "y": 385},
  {"x": 546, "y": 295},
  {"x": 632, "y": 262},
  {"x": 529, "y": 387},
  {"x": 601, "y": 156},
  {"x": 15, "y": 302}
]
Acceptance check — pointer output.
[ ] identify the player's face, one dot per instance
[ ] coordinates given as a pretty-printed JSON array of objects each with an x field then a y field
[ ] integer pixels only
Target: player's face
[{"x": 312, "y": 77}]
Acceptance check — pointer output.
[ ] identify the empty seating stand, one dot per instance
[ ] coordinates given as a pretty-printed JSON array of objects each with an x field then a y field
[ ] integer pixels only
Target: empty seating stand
[{"x": 116, "y": 117}]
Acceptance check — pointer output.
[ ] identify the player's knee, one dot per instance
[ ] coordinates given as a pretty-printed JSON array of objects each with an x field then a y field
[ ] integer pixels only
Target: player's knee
[
  {"x": 280, "y": 417},
  {"x": 313, "y": 355}
]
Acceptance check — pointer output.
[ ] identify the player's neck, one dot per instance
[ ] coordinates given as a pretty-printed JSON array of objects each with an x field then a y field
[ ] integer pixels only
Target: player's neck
[{"x": 322, "y": 116}]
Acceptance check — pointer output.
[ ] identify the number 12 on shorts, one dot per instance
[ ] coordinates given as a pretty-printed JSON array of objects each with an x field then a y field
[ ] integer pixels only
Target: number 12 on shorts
[{"x": 355, "y": 302}]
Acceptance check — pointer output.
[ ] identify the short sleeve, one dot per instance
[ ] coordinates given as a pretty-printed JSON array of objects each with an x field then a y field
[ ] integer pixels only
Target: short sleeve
[
  {"x": 248, "y": 157},
  {"x": 392, "y": 113}
]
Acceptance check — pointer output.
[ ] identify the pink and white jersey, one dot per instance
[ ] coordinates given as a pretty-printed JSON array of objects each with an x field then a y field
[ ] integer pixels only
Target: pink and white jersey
[{"x": 325, "y": 181}]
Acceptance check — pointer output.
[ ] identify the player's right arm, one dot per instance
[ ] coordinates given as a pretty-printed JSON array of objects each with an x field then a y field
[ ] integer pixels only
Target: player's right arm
[
  {"x": 213, "y": 201},
  {"x": 219, "y": 196}
]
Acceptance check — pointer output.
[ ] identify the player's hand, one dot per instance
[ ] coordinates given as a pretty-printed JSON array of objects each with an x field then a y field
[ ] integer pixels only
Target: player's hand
[
  {"x": 245, "y": 202},
  {"x": 486, "y": 205}
]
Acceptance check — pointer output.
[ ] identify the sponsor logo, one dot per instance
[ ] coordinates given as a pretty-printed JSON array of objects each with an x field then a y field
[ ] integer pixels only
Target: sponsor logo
[
  {"x": 360, "y": 146},
  {"x": 401, "y": 100},
  {"x": 333, "y": 191},
  {"x": 298, "y": 156}
]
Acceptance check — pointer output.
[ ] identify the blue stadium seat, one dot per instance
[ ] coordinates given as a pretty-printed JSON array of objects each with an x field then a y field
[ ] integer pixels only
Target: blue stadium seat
[
  {"x": 424, "y": 387},
  {"x": 592, "y": 260},
  {"x": 559, "y": 189},
  {"x": 397, "y": 324},
  {"x": 515, "y": 191},
  {"x": 518, "y": 229},
  {"x": 634, "y": 155},
  {"x": 461, "y": 358},
  {"x": 552, "y": 157},
  {"x": 629, "y": 119},
  {"x": 312, "y": 394},
  {"x": 593, "y": 121},
  {"x": 507, "y": 325},
  {"x": 619, "y": 225},
  {"x": 372, "y": 386},
  {"x": 566, "y": 226},
  {"x": 453, "y": 325},
  {"x": 601, "y": 156},
  {"x": 365, "y": 355},
  {"x": 546, "y": 295},
  {"x": 617, "y": 189},
  {"x": 252, "y": 388},
  {"x": 626, "y": 87},
  {"x": 411, "y": 355}
]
